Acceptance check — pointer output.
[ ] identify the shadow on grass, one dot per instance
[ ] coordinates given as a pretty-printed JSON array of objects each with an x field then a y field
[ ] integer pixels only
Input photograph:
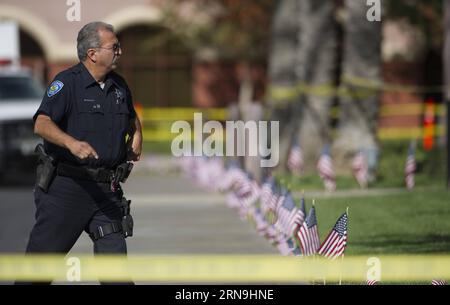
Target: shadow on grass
[{"x": 404, "y": 244}]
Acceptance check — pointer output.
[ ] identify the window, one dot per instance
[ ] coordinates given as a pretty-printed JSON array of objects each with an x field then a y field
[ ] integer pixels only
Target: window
[{"x": 19, "y": 88}]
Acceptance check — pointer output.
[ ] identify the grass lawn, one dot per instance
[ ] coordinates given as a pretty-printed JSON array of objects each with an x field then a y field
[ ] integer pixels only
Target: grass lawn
[
  {"x": 431, "y": 170},
  {"x": 416, "y": 222}
]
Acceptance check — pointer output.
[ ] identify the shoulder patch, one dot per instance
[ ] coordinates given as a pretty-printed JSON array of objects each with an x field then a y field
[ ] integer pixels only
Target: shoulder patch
[{"x": 54, "y": 88}]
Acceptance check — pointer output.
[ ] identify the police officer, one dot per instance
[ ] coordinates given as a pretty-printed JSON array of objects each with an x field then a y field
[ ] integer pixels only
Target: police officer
[{"x": 90, "y": 128}]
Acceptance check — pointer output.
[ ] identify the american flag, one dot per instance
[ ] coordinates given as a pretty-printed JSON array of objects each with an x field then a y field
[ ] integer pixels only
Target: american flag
[
  {"x": 302, "y": 206},
  {"x": 247, "y": 192},
  {"x": 410, "y": 168},
  {"x": 295, "y": 250},
  {"x": 334, "y": 244},
  {"x": 325, "y": 168},
  {"x": 251, "y": 198},
  {"x": 266, "y": 193},
  {"x": 438, "y": 282},
  {"x": 261, "y": 223},
  {"x": 295, "y": 218},
  {"x": 308, "y": 235},
  {"x": 271, "y": 233},
  {"x": 282, "y": 245},
  {"x": 278, "y": 205},
  {"x": 216, "y": 172},
  {"x": 289, "y": 217},
  {"x": 295, "y": 162},
  {"x": 274, "y": 198},
  {"x": 242, "y": 185},
  {"x": 208, "y": 173},
  {"x": 237, "y": 185},
  {"x": 232, "y": 175},
  {"x": 361, "y": 169}
]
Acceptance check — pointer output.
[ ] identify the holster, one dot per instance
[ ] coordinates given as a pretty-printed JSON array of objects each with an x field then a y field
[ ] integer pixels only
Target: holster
[
  {"x": 127, "y": 219},
  {"x": 122, "y": 172},
  {"x": 46, "y": 169},
  {"x": 125, "y": 225}
]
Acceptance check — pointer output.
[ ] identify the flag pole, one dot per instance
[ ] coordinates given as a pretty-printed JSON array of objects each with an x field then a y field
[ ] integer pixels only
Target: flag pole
[
  {"x": 340, "y": 269},
  {"x": 315, "y": 254},
  {"x": 342, "y": 260}
]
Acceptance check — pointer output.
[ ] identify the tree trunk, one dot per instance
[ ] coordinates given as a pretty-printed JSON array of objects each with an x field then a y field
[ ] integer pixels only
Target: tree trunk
[
  {"x": 282, "y": 60},
  {"x": 250, "y": 110},
  {"x": 316, "y": 63},
  {"x": 359, "y": 114}
]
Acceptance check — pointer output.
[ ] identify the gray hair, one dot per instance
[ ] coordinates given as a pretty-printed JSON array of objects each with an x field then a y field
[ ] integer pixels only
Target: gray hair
[{"x": 88, "y": 37}]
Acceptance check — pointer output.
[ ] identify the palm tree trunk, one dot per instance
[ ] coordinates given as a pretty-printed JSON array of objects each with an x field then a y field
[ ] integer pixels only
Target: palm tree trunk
[
  {"x": 316, "y": 64},
  {"x": 282, "y": 59},
  {"x": 250, "y": 111},
  {"x": 362, "y": 60}
]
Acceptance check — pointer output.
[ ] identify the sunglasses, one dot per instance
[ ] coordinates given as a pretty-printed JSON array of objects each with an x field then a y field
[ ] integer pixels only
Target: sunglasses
[{"x": 115, "y": 47}]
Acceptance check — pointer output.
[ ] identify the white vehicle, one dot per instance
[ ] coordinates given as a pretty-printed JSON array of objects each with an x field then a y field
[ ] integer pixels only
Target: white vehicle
[{"x": 20, "y": 97}]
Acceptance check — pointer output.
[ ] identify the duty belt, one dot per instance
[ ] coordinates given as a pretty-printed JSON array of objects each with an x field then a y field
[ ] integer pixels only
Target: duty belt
[{"x": 85, "y": 173}]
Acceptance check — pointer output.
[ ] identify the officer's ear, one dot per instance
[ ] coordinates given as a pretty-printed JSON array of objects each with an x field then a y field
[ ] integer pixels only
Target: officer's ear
[{"x": 92, "y": 55}]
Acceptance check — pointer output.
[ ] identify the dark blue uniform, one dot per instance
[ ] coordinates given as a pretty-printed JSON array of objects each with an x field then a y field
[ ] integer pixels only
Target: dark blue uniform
[
  {"x": 101, "y": 117},
  {"x": 98, "y": 116}
]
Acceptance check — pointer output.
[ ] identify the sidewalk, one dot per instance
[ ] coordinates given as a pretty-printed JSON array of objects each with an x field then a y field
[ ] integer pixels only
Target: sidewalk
[{"x": 172, "y": 216}]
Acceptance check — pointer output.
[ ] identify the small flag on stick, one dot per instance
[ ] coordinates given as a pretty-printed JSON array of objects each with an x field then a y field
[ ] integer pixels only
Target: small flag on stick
[
  {"x": 325, "y": 168},
  {"x": 295, "y": 162},
  {"x": 361, "y": 169},
  {"x": 334, "y": 245},
  {"x": 308, "y": 235}
]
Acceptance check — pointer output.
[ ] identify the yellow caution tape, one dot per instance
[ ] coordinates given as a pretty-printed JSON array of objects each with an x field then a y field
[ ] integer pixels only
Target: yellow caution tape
[
  {"x": 183, "y": 113},
  {"x": 384, "y": 133},
  {"x": 157, "y": 122},
  {"x": 224, "y": 268},
  {"x": 352, "y": 87},
  {"x": 382, "y": 86},
  {"x": 167, "y": 116}
]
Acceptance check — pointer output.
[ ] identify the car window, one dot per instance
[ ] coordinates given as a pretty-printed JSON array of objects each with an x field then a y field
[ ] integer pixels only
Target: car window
[{"x": 17, "y": 88}]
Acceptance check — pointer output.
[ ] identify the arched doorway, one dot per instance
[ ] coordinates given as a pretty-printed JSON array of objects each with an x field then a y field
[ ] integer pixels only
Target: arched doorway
[
  {"x": 32, "y": 56},
  {"x": 156, "y": 65}
]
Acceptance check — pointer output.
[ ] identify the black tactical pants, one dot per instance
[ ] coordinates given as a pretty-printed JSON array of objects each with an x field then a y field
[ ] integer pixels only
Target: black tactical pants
[{"x": 70, "y": 207}]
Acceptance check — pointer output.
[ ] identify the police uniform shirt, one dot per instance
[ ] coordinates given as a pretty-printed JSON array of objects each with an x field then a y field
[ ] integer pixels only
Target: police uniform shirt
[{"x": 78, "y": 105}]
